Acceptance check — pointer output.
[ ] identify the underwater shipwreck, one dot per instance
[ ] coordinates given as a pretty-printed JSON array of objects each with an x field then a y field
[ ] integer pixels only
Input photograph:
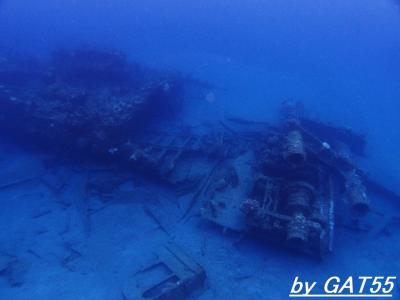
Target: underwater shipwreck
[{"x": 285, "y": 183}]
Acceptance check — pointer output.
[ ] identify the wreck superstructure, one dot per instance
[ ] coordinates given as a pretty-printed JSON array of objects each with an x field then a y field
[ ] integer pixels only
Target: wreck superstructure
[{"x": 84, "y": 99}]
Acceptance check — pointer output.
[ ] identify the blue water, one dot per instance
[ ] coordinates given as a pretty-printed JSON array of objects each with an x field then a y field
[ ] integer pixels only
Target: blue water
[{"x": 341, "y": 58}]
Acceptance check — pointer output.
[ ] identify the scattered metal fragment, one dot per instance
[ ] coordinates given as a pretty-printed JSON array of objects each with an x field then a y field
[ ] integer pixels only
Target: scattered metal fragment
[
  {"x": 71, "y": 256},
  {"x": 173, "y": 276},
  {"x": 33, "y": 253},
  {"x": 243, "y": 277},
  {"x": 18, "y": 182},
  {"x": 199, "y": 192},
  {"x": 41, "y": 214},
  {"x": 13, "y": 269},
  {"x": 152, "y": 216}
]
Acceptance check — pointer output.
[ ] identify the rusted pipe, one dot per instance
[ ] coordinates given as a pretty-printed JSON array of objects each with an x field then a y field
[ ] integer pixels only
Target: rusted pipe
[{"x": 294, "y": 150}]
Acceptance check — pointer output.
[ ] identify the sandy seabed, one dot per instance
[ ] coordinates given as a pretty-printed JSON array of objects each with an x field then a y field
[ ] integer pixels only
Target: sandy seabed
[{"x": 59, "y": 243}]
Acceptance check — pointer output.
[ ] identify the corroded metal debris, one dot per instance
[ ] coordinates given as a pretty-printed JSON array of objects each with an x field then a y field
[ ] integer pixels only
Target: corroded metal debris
[
  {"x": 291, "y": 182},
  {"x": 172, "y": 276}
]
